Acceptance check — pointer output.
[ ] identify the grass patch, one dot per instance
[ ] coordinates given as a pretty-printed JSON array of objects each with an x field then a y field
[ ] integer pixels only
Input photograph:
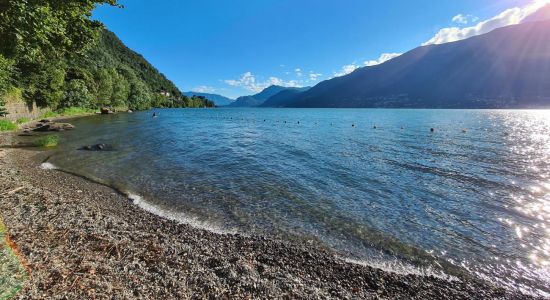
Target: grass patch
[
  {"x": 6, "y": 125},
  {"x": 68, "y": 112},
  {"x": 75, "y": 111},
  {"x": 12, "y": 272},
  {"x": 47, "y": 141},
  {"x": 50, "y": 114},
  {"x": 22, "y": 120}
]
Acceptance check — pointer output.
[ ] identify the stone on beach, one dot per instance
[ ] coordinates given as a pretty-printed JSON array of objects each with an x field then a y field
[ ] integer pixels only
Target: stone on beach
[{"x": 44, "y": 127}]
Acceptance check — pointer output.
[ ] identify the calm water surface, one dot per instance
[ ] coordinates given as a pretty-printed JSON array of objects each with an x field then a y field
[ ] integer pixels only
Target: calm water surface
[{"x": 472, "y": 197}]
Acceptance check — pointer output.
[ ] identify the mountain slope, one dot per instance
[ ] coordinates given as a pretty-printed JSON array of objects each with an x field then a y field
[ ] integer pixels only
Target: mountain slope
[
  {"x": 506, "y": 68},
  {"x": 258, "y": 99},
  {"x": 219, "y": 100},
  {"x": 281, "y": 98}
]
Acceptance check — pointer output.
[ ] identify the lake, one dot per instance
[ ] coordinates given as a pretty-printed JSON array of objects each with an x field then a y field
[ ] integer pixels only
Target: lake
[{"x": 377, "y": 186}]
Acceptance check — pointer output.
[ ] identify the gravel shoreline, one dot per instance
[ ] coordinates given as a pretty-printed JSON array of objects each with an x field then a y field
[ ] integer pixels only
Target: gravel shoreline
[{"x": 83, "y": 240}]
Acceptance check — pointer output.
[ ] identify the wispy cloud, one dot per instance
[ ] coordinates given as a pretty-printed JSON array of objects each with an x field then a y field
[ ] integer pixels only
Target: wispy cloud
[
  {"x": 314, "y": 76},
  {"x": 249, "y": 82},
  {"x": 510, "y": 16},
  {"x": 204, "y": 89},
  {"x": 464, "y": 19},
  {"x": 384, "y": 57},
  {"x": 346, "y": 70}
]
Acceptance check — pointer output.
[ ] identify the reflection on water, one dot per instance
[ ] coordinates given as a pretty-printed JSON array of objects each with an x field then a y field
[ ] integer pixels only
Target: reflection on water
[{"x": 473, "y": 195}]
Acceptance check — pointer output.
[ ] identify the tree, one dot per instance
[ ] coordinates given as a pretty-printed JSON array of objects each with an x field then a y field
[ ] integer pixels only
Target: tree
[
  {"x": 37, "y": 34},
  {"x": 140, "y": 96},
  {"x": 104, "y": 83},
  {"x": 77, "y": 94},
  {"x": 46, "y": 85},
  {"x": 121, "y": 91},
  {"x": 6, "y": 70},
  {"x": 38, "y": 30}
]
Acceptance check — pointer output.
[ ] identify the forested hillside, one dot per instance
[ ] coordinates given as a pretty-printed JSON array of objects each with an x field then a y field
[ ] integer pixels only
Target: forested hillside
[{"x": 53, "y": 54}]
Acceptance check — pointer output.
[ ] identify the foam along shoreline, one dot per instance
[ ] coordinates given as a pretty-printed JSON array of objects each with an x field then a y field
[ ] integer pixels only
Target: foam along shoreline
[
  {"x": 75, "y": 230},
  {"x": 142, "y": 203},
  {"x": 398, "y": 267}
]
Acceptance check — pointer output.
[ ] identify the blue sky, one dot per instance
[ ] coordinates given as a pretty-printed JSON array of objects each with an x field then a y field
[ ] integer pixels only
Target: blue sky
[{"x": 237, "y": 47}]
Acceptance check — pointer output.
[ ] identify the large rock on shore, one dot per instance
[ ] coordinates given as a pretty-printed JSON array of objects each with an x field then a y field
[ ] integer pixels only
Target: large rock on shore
[
  {"x": 44, "y": 127},
  {"x": 106, "y": 111}
]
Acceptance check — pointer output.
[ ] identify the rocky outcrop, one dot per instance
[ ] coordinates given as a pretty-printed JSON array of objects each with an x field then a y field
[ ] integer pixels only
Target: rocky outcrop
[{"x": 47, "y": 125}]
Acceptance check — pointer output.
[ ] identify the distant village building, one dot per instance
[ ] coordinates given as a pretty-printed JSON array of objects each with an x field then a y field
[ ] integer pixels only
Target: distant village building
[{"x": 165, "y": 94}]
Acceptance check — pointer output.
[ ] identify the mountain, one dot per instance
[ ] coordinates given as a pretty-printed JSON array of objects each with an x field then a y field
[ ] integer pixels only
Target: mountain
[
  {"x": 506, "y": 68},
  {"x": 113, "y": 74},
  {"x": 219, "y": 100},
  {"x": 542, "y": 14},
  {"x": 258, "y": 99},
  {"x": 111, "y": 52},
  {"x": 279, "y": 99}
]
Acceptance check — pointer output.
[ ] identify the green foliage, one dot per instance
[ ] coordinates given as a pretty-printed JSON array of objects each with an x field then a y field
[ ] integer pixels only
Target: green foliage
[
  {"x": 34, "y": 31},
  {"x": 22, "y": 120},
  {"x": 47, "y": 141},
  {"x": 6, "y": 125},
  {"x": 77, "y": 94},
  {"x": 60, "y": 58},
  {"x": 140, "y": 96},
  {"x": 6, "y": 72}
]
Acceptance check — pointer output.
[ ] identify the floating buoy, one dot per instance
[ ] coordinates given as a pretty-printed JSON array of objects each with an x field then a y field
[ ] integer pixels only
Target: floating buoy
[
  {"x": 374, "y": 127},
  {"x": 402, "y": 127},
  {"x": 352, "y": 125},
  {"x": 432, "y": 130},
  {"x": 298, "y": 122}
]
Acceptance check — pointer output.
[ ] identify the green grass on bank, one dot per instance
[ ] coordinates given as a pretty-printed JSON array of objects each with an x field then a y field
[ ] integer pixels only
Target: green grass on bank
[
  {"x": 22, "y": 120},
  {"x": 7, "y": 125},
  {"x": 69, "y": 112},
  {"x": 47, "y": 141},
  {"x": 12, "y": 273}
]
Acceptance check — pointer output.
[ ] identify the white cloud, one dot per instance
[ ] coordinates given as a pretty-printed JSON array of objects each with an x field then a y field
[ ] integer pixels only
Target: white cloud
[
  {"x": 249, "y": 82},
  {"x": 510, "y": 16},
  {"x": 204, "y": 89},
  {"x": 464, "y": 19},
  {"x": 314, "y": 76},
  {"x": 460, "y": 19},
  {"x": 298, "y": 72},
  {"x": 384, "y": 57},
  {"x": 346, "y": 70}
]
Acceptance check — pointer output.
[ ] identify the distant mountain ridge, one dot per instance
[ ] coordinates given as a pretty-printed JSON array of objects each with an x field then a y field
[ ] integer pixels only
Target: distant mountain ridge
[
  {"x": 219, "y": 100},
  {"x": 506, "y": 68},
  {"x": 258, "y": 99},
  {"x": 279, "y": 99}
]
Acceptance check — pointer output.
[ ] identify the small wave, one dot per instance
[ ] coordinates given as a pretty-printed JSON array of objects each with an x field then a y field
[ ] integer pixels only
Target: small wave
[
  {"x": 48, "y": 166},
  {"x": 179, "y": 217},
  {"x": 401, "y": 268}
]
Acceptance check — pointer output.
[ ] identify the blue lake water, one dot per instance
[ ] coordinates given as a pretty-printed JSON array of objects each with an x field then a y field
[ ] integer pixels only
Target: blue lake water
[{"x": 471, "y": 197}]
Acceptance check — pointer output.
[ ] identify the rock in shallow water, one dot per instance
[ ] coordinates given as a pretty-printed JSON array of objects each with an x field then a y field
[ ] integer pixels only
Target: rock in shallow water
[{"x": 97, "y": 147}]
